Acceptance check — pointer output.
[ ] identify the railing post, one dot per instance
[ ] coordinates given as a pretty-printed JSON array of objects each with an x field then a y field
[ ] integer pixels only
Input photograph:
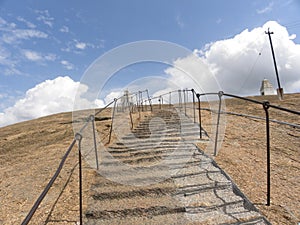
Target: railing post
[
  {"x": 170, "y": 99},
  {"x": 184, "y": 101},
  {"x": 78, "y": 137},
  {"x": 266, "y": 106},
  {"x": 220, "y": 94},
  {"x": 92, "y": 118},
  {"x": 130, "y": 114},
  {"x": 142, "y": 106},
  {"x": 150, "y": 103},
  {"x": 194, "y": 108},
  {"x": 112, "y": 120},
  {"x": 159, "y": 100},
  {"x": 200, "y": 122}
]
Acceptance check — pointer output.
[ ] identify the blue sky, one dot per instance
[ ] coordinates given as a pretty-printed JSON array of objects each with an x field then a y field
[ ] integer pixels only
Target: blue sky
[{"x": 43, "y": 40}]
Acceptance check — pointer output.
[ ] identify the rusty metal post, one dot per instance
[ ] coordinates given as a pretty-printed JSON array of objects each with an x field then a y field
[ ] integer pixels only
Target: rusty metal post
[
  {"x": 130, "y": 114},
  {"x": 266, "y": 106},
  {"x": 220, "y": 94},
  {"x": 78, "y": 137},
  {"x": 200, "y": 122},
  {"x": 170, "y": 99}
]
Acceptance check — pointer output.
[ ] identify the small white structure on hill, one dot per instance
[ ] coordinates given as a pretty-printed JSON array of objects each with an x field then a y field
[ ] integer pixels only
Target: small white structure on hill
[{"x": 266, "y": 88}]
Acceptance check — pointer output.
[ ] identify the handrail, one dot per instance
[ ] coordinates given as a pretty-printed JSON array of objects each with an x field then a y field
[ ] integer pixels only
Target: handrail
[
  {"x": 265, "y": 104},
  {"x": 78, "y": 137},
  {"x": 47, "y": 188}
]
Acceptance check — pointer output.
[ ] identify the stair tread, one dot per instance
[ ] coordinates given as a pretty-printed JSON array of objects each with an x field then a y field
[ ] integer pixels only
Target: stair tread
[{"x": 159, "y": 176}]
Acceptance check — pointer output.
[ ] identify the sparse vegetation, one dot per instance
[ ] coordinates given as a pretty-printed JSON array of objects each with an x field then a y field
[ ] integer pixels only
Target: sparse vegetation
[{"x": 30, "y": 152}]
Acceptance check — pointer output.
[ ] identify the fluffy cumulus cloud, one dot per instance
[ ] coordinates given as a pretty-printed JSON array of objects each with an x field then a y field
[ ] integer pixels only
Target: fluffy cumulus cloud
[
  {"x": 236, "y": 65},
  {"x": 239, "y": 64},
  {"x": 48, "y": 97}
]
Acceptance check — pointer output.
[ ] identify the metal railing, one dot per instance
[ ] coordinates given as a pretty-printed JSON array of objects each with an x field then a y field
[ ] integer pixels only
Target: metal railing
[
  {"x": 183, "y": 100},
  {"x": 141, "y": 106},
  {"x": 78, "y": 138}
]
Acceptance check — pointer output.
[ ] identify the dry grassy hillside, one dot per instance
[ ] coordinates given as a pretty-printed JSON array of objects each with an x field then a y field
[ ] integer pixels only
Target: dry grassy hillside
[
  {"x": 243, "y": 155},
  {"x": 31, "y": 151}
]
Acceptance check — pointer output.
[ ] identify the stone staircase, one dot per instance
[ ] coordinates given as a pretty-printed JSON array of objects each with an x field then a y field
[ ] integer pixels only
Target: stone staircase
[{"x": 157, "y": 175}]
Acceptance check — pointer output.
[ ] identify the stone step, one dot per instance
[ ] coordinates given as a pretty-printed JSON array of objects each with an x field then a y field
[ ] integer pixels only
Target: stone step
[
  {"x": 226, "y": 213},
  {"x": 160, "y": 135},
  {"x": 173, "y": 132},
  {"x": 134, "y": 146},
  {"x": 175, "y": 218},
  {"x": 161, "y": 151},
  {"x": 174, "y": 124},
  {"x": 163, "y": 178},
  {"x": 204, "y": 211},
  {"x": 169, "y": 156},
  {"x": 133, "y": 212}
]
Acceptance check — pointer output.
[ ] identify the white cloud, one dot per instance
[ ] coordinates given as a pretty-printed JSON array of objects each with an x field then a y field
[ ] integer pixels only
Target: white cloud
[
  {"x": 48, "y": 97},
  {"x": 8, "y": 63},
  {"x": 266, "y": 9},
  {"x": 14, "y": 36},
  {"x": 4, "y": 56},
  {"x": 67, "y": 64},
  {"x": 77, "y": 47},
  {"x": 80, "y": 45},
  {"x": 240, "y": 63},
  {"x": 64, "y": 29},
  {"x": 32, "y": 55},
  {"x": 191, "y": 72},
  {"x": 27, "y": 23},
  {"x": 50, "y": 57},
  {"x": 112, "y": 95},
  {"x": 44, "y": 17},
  {"x": 37, "y": 56}
]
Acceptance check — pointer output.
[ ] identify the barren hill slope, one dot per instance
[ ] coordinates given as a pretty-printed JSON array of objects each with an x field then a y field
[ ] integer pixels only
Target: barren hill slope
[{"x": 30, "y": 153}]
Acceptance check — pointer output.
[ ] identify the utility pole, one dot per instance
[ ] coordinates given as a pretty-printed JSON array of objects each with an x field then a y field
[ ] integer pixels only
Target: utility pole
[{"x": 279, "y": 89}]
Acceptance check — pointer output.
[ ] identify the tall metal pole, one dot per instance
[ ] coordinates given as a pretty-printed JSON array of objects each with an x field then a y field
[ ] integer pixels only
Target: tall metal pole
[
  {"x": 279, "y": 90},
  {"x": 266, "y": 106}
]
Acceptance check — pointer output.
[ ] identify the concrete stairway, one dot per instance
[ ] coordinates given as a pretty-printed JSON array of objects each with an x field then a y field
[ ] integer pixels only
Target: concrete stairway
[{"x": 156, "y": 175}]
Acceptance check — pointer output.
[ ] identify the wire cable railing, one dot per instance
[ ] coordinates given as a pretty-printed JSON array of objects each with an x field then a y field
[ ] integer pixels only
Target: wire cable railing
[
  {"x": 140, "y": 106},
  {"x": 266, "y": 106},
  {"x": 78, "y": 138}
]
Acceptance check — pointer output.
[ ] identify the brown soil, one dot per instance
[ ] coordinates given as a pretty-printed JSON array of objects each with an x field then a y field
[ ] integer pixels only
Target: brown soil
[{"x": 31, "y": 151}]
